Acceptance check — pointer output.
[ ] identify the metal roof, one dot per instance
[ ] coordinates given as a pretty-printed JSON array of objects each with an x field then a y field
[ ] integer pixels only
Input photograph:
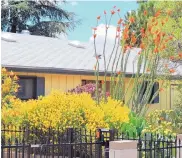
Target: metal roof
[{"x": 51, "y": 55}]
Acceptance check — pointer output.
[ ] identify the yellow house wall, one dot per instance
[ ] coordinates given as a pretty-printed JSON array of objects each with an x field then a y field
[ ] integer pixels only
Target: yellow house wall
[{"x": 65, "y": 82}]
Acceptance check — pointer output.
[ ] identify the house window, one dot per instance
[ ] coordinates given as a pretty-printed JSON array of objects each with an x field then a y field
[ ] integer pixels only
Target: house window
[
  {"x": 27, "y": 88},
  {"x": 31, "y": 87},
  {"x": 155, "y": 88}
]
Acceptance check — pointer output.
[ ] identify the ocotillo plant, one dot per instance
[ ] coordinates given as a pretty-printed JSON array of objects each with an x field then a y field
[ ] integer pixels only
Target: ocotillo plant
[{"x": 149, "y": 65}]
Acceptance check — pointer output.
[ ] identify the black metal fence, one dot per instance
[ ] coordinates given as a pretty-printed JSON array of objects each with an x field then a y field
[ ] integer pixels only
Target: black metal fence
[{"x": 74, "y": 143}]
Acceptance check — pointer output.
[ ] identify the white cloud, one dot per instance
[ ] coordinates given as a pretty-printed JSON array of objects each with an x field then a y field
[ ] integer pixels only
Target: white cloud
[
  {"x": 100, "y": 32},
  {"x": 74, "y": 3}
]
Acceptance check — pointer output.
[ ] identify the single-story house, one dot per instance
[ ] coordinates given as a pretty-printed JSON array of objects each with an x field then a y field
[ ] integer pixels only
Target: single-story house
[{"x": 44, "y": 63}]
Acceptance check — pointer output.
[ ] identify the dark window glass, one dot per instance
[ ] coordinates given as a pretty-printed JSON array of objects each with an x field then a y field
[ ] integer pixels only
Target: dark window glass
[
  {"x": 27, "y": 88},
  {"x": 155, "y": 88}
]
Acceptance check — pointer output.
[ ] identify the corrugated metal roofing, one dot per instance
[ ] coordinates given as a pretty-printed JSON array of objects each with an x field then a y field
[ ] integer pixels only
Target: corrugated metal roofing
[{"x": 56, "y": 55}]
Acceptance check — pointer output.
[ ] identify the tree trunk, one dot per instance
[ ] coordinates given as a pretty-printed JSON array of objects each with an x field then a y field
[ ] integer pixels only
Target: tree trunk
[{"x": 13, "y": 28}]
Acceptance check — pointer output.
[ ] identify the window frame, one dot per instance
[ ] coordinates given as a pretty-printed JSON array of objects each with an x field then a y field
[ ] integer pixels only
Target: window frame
[{"x": 34, "y": 78}]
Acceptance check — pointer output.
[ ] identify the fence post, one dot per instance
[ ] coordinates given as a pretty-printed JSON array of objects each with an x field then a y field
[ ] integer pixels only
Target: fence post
[
  {"x": 98, "y": 146},
  {"x": 179, "y": 146},
  {"x": 70, "y": 141},
  {"x": 111, "y": 138},
  {"x": 123, "y": 148}
]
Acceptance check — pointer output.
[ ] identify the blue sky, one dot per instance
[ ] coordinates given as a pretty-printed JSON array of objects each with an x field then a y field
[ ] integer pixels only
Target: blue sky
[{"x": 87, "y": 11}]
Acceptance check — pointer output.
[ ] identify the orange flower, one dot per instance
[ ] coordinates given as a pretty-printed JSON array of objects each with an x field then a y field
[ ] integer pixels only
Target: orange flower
[
  {"x": 112, "y": 12},
  {"x": 163, "y": 34},
  {"x": 148, "y": 70},
  {"x": 98, "y": 18},
  {"x": 156, "y": 23},
  {"x": 156, "y": 50},
  {"x": 157, "y": 13},
  {"x": 102, "y": 82},
  {"x": 104, "y": 12},
  {"x": 119, "y": 72},
  {"x": 132, "y": 19},
  {"x": 142, "y": 46},
  {"x": 180, "y": 54},
  {"x": 169, "y": 12},
  {"x": 145, "y": 12},
  {"x": 118, "y": 29},
  {"x": 153, "y": 19},
  {"x": 170, "y": 37},
  {"x": 161, "y": 118},
  {"x": 120, "y": 21},
  {"x": 139, "y": 53},
  {"x": 150, "y": 28},
  {"x": 118, "y": 10},
  {"x": 142, "y": 30},
  {"x": 133, "y": 39},
  {"x": 162, "y": 22},
  {"x": 171, "y": 57},
  {"x": 94, "y": 35},
  {"x": 171, "y": 70},
  {"x": 94, "y": 28},
  {"x": 161, "y": 89},
  {"x": 166, "y": 19},
  {"x": 163, "y": 47}
]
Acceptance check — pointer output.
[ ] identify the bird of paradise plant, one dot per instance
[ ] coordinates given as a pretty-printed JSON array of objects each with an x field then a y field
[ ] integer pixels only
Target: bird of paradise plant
[{"x": 149, "y": 65}]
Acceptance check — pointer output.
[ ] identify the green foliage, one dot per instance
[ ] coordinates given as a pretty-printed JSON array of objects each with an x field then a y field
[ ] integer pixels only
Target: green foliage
[
  {"x": 45, "y": 18},
  {"x": 135, "y": 125}
]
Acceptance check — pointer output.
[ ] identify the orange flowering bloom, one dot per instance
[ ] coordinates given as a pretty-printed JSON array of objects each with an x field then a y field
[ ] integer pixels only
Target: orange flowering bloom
[
  {"x": 166, "y": 19},
  {"x": 142, "y": 30},
  {"x": 102, "y": 82},
  {"x": 145, "y": 12},
  {"x": 180, "y": 54},
  {"x": 169, "y": 12},
  {"x": 171, "y": 57},
  {"x": 161, "y": 89},
  {"x": 118, "y": 29},
  {"x": 150, "y": 29},
  {"x": 148, "y": 70},
  {"x": 157, "y": 13},
  {"x": 163, "y": 47},
  {"x": 156, "y": 50},
  {"x": 94, "y": 28},
  {"x": 133, "y": 39},
  {"x": 132, "y": 19},
  {"x": 153, "y": 19},
  {"x": 120, "y": 21},
  {"x": 170, "y": 37},
  {"x": 104, "y": 12},
  {"x": 162, "y": 22},
  {"x": 142, "y": 46},
  {"x": 125, "y": 33},
  {"x": 161, "y": 118},
  {"x": 112, "y": 12},
  {"x": 156, "y": 23},
  {"x": 163, "y": 34},
  {"x": 119, "y": 72},
  {"x": 171, "y": 70},
  {"x": 98, "y": 18}
]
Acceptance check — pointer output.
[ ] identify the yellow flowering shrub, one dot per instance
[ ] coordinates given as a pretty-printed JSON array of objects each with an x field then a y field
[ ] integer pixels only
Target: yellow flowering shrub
[
  {"x": 161, "y": 122},
  {"x": 67, "y": 110},
  {"x": 9, "y": 87}
]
